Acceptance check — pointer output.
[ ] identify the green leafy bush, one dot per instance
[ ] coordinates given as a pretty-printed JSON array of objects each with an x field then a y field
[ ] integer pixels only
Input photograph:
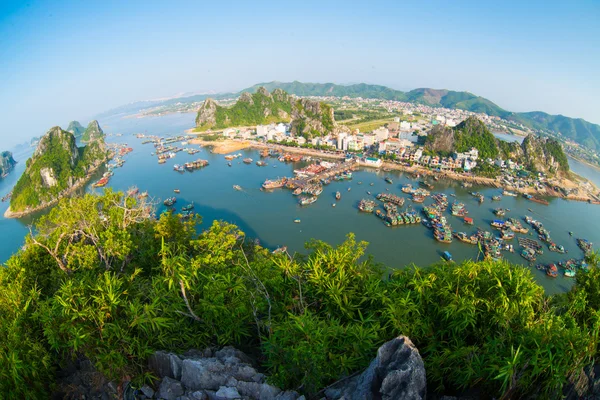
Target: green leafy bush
[{"x": 102, "y": 280}]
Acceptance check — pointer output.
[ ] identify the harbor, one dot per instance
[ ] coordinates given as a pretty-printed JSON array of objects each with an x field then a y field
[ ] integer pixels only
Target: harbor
[{"x": 275, "y": 217}]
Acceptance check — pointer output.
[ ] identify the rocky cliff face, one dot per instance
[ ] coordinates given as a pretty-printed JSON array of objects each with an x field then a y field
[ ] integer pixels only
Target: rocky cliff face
[
  {"x": 56, "y": 165},
  {"x": 544, "y": 155},
  {"x": 75, "y": 128},
  {"x": 261, "y": 107},
  {"x": 207, "y": 113},
  {"x": 313, "y": 119},
  {"x": 92, "y": 132},
  {"x": 440, "y": 139},
  {"x": 7, "y": 163}
]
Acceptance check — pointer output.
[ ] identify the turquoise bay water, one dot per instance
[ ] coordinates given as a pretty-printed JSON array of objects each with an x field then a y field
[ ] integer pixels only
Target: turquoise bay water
[{"x": 269, "y": 215}]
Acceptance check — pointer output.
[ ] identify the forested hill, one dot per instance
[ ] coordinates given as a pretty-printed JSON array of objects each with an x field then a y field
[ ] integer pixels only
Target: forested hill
[
  {"x": 583, "y": 132},
  {"x": 261, "y": 107},
  {"x": 535, "y": 153},
  {"x": 55, "y": 167},
  {"x": 576, "y": 129}
]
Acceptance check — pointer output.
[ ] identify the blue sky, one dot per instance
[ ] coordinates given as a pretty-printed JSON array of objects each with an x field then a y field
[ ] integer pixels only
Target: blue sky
[{"x": 65, "y": 60}]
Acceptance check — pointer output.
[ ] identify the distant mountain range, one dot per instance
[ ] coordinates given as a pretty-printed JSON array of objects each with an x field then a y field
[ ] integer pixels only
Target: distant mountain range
[{"x": 576, "y": 129}]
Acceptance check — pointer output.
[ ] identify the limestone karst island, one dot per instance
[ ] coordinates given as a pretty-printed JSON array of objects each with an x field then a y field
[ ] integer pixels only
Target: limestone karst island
[{"x": 332, "y": 201}]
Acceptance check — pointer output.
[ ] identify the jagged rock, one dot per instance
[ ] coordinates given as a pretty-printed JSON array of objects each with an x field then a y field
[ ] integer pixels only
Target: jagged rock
[
  {"x": 312, "y": 118},
  {"x": 147, "y": 391},
  {"x": 203, "y": 374},
  {"x": 48, "y": 178},
  {"x": 396, "y": 373},
  {"x": 247, "y": 98},
  {"x": 92, "y": 132},
  {"x": 170, "y": 389},
  {"x": 232, "y": 355},
  {"x": 7, "y": 163},
  {"x": 226, "y": 393},
  {"x": 165, "y": 364},
  {"x": 258, "y": 390},
  {"x": 207, "y": 113},
  {"x": 75, "y": 128},
  {"x": 198, "y": 395}
]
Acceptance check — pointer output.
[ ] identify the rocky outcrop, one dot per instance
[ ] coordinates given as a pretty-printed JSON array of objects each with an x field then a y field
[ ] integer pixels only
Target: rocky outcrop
[
  {"x": 535, "y": 153},
  {"x": 544, "y": 155},
  {"x": 56, "y": 167},
  {"x": 397, "y": 372},
  {"x": 92, "y": 132},
  {"x": 440, "y": 139},
  {"x": 75, "y": 128},
  {"x": 261, "y": 107},
  {"x": 207, "y": 113},
  {"x": 312, "y": 118},
  {"x": 220, "y": 375},
  {"x": 79, "y": 379},
  {"x": 7, "y": 163}
]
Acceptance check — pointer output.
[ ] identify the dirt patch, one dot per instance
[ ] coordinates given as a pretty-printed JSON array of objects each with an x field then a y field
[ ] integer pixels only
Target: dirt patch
[{"x": 223, "y": 147}]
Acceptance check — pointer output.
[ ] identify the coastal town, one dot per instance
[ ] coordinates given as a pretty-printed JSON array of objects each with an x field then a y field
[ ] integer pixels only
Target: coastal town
[{"x": 399, "y": 145}]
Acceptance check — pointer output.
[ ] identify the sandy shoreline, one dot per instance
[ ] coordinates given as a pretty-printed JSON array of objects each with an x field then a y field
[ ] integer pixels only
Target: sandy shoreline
[{"x": 78, "y": 185}]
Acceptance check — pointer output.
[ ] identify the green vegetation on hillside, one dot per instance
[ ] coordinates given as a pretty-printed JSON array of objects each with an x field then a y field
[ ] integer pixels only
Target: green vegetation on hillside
[
  {"x": 256, "y": 109},
  {"x": 114, "y": 286},
  {"x": 555, "y": 149},
  {"x": 331, "y": 89},
  {"x": 58, "y": 155},
  {"x": 92, "y": 132},
  {"x": 75, "y": 128},
  {"x": 576, "y": 129},
  {"x": 473, "y": 133}
]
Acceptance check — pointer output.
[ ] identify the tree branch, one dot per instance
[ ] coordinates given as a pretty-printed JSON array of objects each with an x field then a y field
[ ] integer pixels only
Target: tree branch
[{"x": 187, "y": 304}]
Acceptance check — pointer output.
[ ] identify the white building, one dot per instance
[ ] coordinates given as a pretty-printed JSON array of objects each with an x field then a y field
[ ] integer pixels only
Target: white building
[
  {"x": 281, "y": 128},
  {"x": 405, "y": 126},
  {"x": 372, "y": 162},
  {"x": 381, "y": 134},
  {"x": 472, "y": 154},
  {"x": 369, "y": 140},
  {"x": 229, "y": 132},
  {"x": 469, "y": 165},
  {"x": 416, "y": 156},
  {"x": 340, "y": 140},
  {"x": 300, "y": 140},
  {"x": 261, "y": 130}
]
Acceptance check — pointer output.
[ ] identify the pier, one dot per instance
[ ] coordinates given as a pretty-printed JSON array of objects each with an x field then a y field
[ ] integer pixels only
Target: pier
[{"x": 327, "y": 174}]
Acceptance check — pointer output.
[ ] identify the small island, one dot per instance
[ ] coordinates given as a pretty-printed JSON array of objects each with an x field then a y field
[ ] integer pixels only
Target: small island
[
  {"x": 76, "y": 129},
  {"x": 56, "y": 169},
  {"x": 7, "y": 163}
]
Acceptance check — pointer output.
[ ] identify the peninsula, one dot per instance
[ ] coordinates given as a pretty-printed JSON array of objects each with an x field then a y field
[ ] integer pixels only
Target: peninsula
[{"x": 56, "y": 169}]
